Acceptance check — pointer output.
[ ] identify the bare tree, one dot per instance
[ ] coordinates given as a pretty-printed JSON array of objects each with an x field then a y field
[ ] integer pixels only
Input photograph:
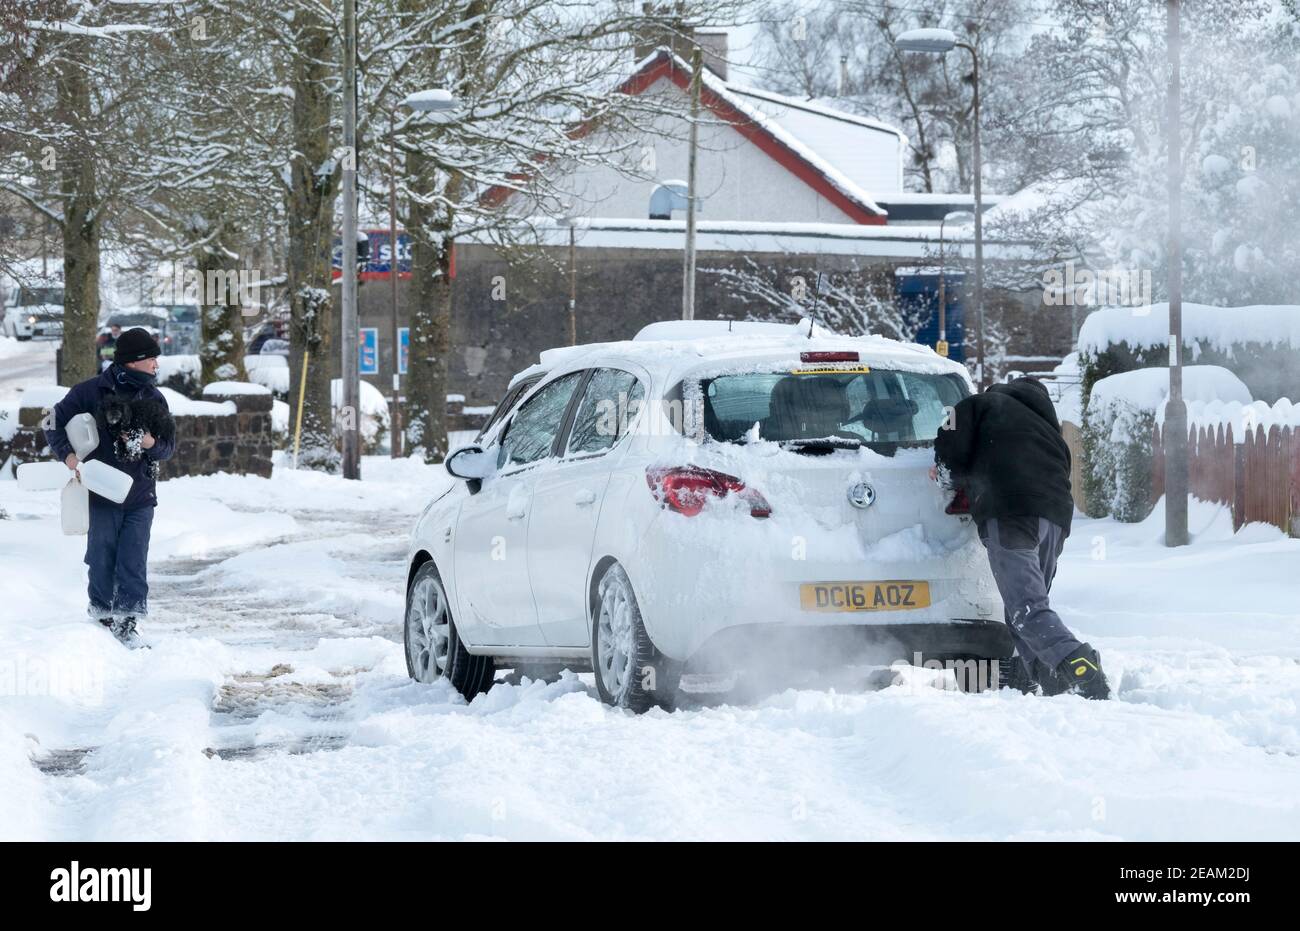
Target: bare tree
[{"x": 853, "y": 301}]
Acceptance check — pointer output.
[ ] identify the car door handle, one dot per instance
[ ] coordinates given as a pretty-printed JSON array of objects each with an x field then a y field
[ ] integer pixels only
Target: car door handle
[{"x": 583, "y": 497}]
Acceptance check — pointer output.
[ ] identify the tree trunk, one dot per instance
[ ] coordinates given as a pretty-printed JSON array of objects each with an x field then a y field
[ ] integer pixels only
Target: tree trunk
[
  {"x": 425, "y": 411},
  {"x": 310, "y": 214},
  {"x": 221, "y": 347},
  {"x": 81, "y": 226}
]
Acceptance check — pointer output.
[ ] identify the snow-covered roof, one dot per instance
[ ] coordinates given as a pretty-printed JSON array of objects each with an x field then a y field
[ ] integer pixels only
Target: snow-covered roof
[
  {"x": 673, "y": 330},
  {"x": 817, "y": 145},
  {"x": 760, "y": 236},
  {"x": 674, "y": 348},
  {"x": 720, "y": 97},
  {"x": 832, "y": 135}
]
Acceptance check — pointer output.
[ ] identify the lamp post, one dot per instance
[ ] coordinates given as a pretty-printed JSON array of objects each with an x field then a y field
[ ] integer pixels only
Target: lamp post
[
  {"x": 941, "y": 346},
  {"x": 348, "y": 279},
  {"x": 395, "y": 407},
  {"x": 688, "y": 263},
  {"x": 571, "y": 221},
  {"x": 1175, "y": 410},
  {"x": 430, "y": 101},
  {"x": 940, "y": 42}
]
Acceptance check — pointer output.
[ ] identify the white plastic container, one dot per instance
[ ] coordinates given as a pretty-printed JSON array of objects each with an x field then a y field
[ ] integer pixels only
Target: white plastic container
[
  {"x": 75, "y": 508},
  {"x": 104, "y": 480},
  {"x": 83, "y": 434},
  {"x": 42, "y": 476}
]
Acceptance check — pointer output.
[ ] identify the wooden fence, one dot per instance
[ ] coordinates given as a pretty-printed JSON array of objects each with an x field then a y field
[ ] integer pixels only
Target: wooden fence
[{"x": 1259, "y": 477}]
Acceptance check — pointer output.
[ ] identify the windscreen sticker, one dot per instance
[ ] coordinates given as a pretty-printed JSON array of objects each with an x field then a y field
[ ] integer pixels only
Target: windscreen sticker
[{"x": 862, "y": 369}]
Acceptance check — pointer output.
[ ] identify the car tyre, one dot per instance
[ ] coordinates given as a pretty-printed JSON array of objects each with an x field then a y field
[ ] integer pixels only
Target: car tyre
[
  {"x": 432, "y": 644},
  {"x": 630, "y": 671}
]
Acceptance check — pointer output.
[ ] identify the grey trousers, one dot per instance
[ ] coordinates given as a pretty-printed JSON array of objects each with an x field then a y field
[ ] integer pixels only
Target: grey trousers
[{"x": 1022, "y": 554}]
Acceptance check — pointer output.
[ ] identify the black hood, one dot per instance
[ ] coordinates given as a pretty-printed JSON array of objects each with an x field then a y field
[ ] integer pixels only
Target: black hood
[{"x": 1031, "y": 393}]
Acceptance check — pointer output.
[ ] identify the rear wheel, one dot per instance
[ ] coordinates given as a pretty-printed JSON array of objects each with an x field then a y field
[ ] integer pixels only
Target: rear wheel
[
  {"x": 433, "y": 647},
  {"x": 630, "y": 672}
]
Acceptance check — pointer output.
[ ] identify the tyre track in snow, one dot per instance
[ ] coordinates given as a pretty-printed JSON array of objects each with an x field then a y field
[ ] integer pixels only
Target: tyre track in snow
[
  {"x": 270, "y": 621},
  {"x": 268, "y": 633}
]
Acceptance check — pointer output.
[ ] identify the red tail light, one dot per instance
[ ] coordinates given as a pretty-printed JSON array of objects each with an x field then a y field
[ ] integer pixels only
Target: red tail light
[
  {"x": 828, "y": 357},
  {"x": 959, "y": 504},
  {"x": 686, "y": 489}
]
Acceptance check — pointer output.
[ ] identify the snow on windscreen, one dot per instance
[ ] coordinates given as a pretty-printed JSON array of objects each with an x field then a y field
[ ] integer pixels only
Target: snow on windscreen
[{"x": 855, "y": 405}]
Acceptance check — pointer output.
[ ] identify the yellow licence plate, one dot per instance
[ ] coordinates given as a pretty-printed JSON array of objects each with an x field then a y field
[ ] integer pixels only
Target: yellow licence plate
[{"x": 864, "y": 596}]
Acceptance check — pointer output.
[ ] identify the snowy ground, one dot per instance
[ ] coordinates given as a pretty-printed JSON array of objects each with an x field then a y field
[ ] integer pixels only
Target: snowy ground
[{"x": 275, "y": 702}]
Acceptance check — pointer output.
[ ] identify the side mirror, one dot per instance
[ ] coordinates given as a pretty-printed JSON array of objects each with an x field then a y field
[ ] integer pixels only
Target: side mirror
[{"x": 471, "y": 463}]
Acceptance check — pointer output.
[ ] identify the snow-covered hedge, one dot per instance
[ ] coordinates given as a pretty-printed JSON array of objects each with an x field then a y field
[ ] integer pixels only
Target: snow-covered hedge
[
  {"x": 180, "y": 373},
  {"x": 1118, "y": 427},
  {"x": 373, "y": 421},
  {"x": 1260, "y": 344}
]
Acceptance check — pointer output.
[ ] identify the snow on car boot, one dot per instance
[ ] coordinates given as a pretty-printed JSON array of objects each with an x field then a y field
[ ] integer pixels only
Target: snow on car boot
[
  {"x": 124, "y": 630},
  {"x": 1082, "y": 673}
]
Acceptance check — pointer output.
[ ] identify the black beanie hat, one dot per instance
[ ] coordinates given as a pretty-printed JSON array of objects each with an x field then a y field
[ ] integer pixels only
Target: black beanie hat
[{"x": 135, "y": 344}]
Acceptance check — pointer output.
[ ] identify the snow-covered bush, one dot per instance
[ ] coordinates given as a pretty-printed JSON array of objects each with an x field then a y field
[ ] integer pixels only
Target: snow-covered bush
[
  {"x": 372, "y": 420},
  {"x": 1117, "y": 441},
  {"x": 180, "y": 373},
  {"x": 1119, "y": 419},
  {"x": 1259, "y": 344}
]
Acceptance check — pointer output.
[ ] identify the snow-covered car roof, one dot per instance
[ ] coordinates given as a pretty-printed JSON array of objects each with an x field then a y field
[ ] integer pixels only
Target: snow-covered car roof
[{"x": 676, "y": 348}]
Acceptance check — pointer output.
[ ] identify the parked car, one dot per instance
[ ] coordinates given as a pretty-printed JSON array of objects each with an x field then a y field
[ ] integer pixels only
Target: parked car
[
  {"x": 256, "y": 336},
  {"x": 688, "y": 507},
  {"x": 35, "y": 312},
  {"x": 181, "y": 331}
]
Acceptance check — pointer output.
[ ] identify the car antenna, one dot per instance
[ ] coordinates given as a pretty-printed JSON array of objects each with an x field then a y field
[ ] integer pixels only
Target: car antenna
[{"x": 812, "y": 314}]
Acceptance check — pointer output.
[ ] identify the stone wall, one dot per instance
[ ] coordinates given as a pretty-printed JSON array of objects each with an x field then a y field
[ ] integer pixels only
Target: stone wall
[
  {"x": 238, "y": 442},
  {"x": 504, "y": 313}
]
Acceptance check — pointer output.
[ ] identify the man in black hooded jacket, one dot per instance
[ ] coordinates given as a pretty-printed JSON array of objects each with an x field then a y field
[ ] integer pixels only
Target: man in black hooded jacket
[
  {"x": 1004, "y": 449},
  {"x": 136, "y": 432}
]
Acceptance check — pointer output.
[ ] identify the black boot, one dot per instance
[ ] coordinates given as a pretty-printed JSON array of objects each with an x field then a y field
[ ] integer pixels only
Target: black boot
[
  {"x": 124, "y": 630},
  {"x": 1082, "y": 675},
  {"x": 1012, "y": 674}
]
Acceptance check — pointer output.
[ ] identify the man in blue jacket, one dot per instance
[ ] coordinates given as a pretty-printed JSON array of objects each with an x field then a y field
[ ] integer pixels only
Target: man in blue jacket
[{"x": 136, "y": 432}]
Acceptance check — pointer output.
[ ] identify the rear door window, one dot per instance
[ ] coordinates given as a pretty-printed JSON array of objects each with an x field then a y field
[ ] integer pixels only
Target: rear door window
[{"x": 609, "y": 404}]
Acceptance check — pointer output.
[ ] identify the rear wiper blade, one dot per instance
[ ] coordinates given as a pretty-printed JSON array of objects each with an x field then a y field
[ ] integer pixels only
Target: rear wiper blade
[{"x": 831, "y": 442}]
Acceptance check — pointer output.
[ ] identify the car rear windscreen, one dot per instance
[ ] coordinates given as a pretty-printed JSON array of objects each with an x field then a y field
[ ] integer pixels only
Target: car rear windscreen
[{"x": 876, "y": 406}]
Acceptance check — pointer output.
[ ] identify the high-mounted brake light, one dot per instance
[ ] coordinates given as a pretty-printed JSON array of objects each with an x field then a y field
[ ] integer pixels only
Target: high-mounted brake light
[
  {"x": 686, "y": 489},
  {"x": 828, "y": 357}
]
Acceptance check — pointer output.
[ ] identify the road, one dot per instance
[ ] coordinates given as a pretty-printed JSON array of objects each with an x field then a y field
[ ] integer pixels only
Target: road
[{"x": 275, "y": 703}]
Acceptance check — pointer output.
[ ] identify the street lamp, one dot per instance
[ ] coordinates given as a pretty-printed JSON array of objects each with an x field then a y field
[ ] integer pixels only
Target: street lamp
[
  {"x": 940, "y": 42},
  {"x": 436, "y": 100},
  {"x": 957, "y": 216}
]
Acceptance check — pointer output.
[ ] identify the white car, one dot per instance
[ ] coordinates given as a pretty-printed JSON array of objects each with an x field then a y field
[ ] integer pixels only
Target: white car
[
  {"x": 696, "y": 504},
  {"x": 39, "y": 321}
]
